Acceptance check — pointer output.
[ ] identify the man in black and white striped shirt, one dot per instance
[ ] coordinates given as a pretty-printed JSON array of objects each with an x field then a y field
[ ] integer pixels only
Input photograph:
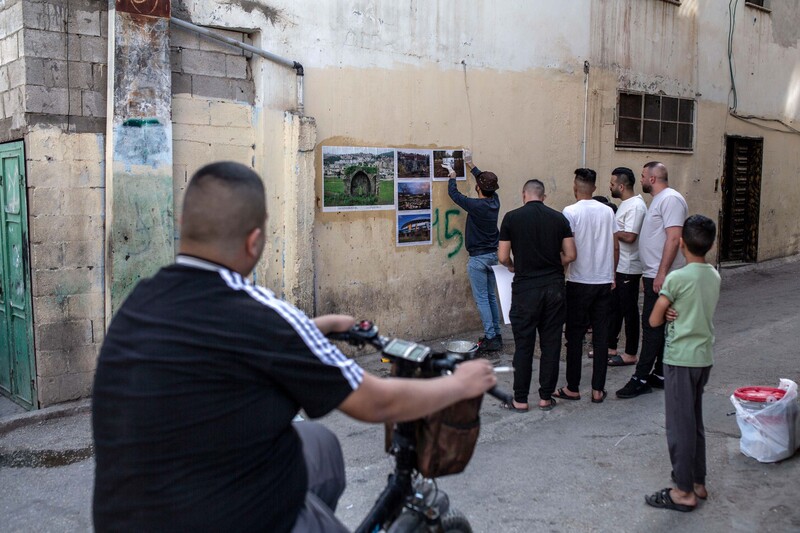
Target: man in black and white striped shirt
[{"x": 202, "y": 372}]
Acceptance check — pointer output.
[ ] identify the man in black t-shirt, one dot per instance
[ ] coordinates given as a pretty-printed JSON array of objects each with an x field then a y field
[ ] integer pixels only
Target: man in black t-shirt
[
  {"x": 541, "y": 242},
  {"x": 202, "y": 372}
]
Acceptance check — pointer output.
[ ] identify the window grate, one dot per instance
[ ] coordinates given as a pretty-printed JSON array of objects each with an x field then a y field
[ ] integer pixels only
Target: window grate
[{"x": 654, "y": 121}]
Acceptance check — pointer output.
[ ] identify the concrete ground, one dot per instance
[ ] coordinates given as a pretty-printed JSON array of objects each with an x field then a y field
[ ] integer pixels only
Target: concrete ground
[{"x": 580, "y": 467}]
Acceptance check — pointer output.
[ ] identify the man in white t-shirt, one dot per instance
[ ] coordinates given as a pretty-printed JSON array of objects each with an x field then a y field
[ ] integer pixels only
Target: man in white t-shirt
[
  {"x": 590, "y": 278},
  {"x": 658, "y": 252},
  {"x": 625, "y": 295}
]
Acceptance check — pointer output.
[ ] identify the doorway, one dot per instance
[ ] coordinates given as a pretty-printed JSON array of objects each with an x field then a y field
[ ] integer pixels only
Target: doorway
[
  {"x": 741, "y": 190},
  {"x": 17, "y": 371}
]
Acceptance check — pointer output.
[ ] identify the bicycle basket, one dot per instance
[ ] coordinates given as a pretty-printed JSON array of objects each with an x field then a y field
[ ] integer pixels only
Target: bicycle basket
[{"x": 447, "y": 438}]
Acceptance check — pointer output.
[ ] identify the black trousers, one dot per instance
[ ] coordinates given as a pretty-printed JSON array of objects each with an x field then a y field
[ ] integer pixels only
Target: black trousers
[
  {"x": 542, "y": 310},
  {"x": 652, "y": 356},
  {"x": 625, "y": 307},
  {"x": 686, "y": 434},
  {"x": 587, "y": 305}
]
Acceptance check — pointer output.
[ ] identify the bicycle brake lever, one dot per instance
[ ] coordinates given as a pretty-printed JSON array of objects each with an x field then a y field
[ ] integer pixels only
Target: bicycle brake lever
[{"x": 500, "y": 394}]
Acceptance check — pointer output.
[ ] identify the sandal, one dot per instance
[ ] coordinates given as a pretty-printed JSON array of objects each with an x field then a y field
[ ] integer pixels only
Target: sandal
[
  {"x": 561, "y": 395},
  {"x": 616, "y": 360},
  {"x": 663, "y": 500},
  {"x": 549, "y": 406},
  {"x": 599, "y": 400},
  {"x": 510, "y": 407},
  {"x": 672, "y": 477}
]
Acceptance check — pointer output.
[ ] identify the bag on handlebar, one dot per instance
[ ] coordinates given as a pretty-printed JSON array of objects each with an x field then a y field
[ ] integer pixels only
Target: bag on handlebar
[{"x": 446, "y": 438}]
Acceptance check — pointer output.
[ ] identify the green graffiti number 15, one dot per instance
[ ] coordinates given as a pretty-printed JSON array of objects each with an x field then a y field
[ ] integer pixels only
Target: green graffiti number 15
[{"x": 449, "y": 233}]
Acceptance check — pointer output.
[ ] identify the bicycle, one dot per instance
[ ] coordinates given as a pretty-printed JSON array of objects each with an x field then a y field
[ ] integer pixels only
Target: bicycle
[{"x": 411, "y": 502}]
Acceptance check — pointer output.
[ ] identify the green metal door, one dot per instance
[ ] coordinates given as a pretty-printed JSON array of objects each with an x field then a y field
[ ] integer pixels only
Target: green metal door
[{"x": 16, "y": 325}]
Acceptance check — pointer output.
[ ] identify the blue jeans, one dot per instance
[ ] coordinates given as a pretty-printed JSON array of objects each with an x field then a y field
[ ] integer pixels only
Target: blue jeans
[{"x": 481, "y": 277}]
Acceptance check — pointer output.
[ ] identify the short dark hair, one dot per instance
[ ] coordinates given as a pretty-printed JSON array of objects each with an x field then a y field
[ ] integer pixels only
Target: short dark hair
[
  {"x": 534, "y": 187},
  {"x": 586, "y": 175},
  {"x": 698, "y": 234},
  {"x": 605, "y": 201},
  {"x": 660, "y": 166},
  {"x": 224, "y": 201},
  {"x": 625, "y": 177}
]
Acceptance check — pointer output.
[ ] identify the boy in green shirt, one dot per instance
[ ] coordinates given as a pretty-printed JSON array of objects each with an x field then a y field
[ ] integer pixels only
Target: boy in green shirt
[{"x": 687, "y": 300}]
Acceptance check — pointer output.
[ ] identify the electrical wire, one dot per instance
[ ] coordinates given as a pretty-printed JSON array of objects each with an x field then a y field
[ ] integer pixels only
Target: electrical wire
[
  {"x": 751, "y": 119},
  {"x": 731, "y": 27}
]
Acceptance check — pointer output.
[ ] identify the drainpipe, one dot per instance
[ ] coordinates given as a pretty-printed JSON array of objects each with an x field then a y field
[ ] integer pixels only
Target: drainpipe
[
  {"x": 585, "y": 110},
  {"x": 298, "y": 68}
]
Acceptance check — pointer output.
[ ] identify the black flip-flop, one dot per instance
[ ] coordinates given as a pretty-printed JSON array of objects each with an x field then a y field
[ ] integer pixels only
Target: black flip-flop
[
  {"x": 549, "y": 406},
  {"x": 510, "y": 407},
  {"x": 663, "y": 500},
  {"x": 602, "y": 397},
  {"x": 616, "y": 360},
  {"x": 561, "y": 395}
]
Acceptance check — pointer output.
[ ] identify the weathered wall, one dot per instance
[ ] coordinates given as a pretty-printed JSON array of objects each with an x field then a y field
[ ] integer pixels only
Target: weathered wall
[
  {"x": 52, "y": 66},
  {"x": 52, "y": 81},
  {"x": 213, "y": 98},
  {"x": 65, "y": 203},
  {"x": 403, "y": 74}
]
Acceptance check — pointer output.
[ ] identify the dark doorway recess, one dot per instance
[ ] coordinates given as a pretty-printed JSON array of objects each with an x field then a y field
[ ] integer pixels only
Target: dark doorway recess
[{"x": 741, "y": 189}]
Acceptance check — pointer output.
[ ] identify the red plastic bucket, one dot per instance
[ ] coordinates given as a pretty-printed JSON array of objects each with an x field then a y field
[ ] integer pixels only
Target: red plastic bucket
[{"x": 756, "y": 398}]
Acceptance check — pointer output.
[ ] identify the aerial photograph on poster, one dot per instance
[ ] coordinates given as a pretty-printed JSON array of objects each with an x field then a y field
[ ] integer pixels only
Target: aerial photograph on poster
[
  {"x": 413, "y": 195},
  {"x": 414, "y": 229},
  {"x": 357, "y": 178},
  {"x": 452, "y": 158},
  {"x": 413, "y": 163}
]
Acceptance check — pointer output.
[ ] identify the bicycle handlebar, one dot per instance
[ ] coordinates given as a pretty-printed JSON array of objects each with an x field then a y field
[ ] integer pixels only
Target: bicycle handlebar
[{"x": 365, "y": 332}]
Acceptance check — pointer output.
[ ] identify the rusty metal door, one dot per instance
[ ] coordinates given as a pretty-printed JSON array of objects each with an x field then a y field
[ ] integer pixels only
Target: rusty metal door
[
  {"x": 741, "y": 189},
  {"x": 16, "y": 324}
]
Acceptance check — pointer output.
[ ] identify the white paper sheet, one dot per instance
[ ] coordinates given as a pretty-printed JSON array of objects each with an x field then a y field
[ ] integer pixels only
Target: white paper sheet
[{"x": 504, "y": 278}]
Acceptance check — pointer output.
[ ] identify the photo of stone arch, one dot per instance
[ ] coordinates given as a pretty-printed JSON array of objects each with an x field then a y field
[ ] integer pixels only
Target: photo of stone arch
[{"x": 357, "y": 178}]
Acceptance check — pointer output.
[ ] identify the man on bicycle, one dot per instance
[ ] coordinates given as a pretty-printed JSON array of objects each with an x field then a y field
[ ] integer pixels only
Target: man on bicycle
[{"x": 202, "y": 372}]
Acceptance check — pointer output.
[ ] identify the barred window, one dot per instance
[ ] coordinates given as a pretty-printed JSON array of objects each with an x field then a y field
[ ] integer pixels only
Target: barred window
[{"x": 654, "y": 121}]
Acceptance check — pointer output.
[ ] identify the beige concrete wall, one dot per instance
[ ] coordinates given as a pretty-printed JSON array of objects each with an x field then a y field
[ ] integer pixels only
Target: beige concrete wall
[
  {"x": 410, "y": 74},
  {"x": 65, "y": 206},
  {"x": 213, "y": 117}
]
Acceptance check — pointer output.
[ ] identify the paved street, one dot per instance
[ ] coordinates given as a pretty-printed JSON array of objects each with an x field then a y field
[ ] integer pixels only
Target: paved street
[{"x": 580, "y": 467}]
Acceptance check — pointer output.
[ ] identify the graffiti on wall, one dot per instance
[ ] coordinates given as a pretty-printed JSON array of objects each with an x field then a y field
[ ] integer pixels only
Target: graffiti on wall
[
  {"x": 453, "y": 237},
  {"x": 153, "y": 8}
]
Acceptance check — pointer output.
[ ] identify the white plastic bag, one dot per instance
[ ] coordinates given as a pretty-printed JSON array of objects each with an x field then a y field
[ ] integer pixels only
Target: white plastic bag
[{"x": 772, "y": 433}]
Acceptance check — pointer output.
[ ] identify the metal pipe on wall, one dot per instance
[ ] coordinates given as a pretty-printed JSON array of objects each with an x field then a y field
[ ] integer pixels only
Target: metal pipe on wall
[{"x": 298, "y": 68}]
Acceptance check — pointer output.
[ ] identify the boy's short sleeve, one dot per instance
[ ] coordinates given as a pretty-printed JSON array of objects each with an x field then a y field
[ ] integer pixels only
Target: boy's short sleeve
[{"x": 669, "y": 288}]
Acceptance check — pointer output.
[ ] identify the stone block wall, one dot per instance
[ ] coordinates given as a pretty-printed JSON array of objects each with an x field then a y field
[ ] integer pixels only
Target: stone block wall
[
  {"x": 53, "y": 77},
  {"x": 53, "y": 66},
  {"x": 212, "y": 106},
  {"x": 66, "y": 216}
]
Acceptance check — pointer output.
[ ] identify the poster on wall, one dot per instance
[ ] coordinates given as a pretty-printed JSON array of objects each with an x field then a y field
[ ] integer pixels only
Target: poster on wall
[
  {"x": 414, "y": 228},
  {"x": 453, "y": 158},
  {"x": 413, "y": 164},
  {"x": 413, "y": 195},
  {"x": 357, "y": 178}
]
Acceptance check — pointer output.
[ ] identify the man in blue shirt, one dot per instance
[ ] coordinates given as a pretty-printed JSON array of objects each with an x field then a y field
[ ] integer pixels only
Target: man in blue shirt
[{"x": 481, "y": 239}]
